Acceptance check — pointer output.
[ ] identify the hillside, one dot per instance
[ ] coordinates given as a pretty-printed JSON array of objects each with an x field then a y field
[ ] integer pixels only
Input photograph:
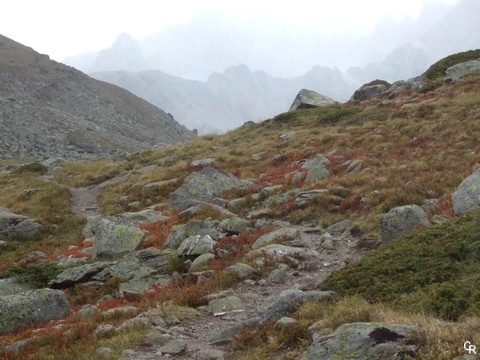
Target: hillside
[
  {"x": 267, "y": 242},
  {"x": 52, "y": 110}
]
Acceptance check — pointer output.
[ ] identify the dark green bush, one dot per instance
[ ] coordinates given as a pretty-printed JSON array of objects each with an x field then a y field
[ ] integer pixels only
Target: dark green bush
[
  {"x": 32, "y": 168},
  {"x": 37, "y": 275}
]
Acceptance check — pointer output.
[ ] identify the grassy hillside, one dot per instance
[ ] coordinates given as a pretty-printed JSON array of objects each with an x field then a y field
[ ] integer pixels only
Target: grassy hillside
[{"x": 414, "y": 147}]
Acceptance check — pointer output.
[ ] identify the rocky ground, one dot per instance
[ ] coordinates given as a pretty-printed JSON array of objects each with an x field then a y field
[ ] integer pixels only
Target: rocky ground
[{"x": 198, "y": 334}]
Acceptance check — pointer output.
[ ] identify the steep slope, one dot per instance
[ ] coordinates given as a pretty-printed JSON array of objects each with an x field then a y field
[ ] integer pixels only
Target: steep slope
[{"x": 49, "y": 109}]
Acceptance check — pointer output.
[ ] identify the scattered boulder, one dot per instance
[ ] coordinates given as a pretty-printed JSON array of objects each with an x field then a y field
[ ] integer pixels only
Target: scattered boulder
[
  {"x": 204, "y": 185},
  {"x": 201, "y": 261},
  {"x": 280, "y": 235},
  {"x": 401, "y": 220},
  {"x": 368, "y": 341},
  {"x": 17, "y": 226},
  {"x": 467, "y": 196},
  {"x": 306, "y": 99},
  {"x": 316, "y": 168},
  {"x": 87, "y": 311},
  {"x": 371, "y": 90},
  {"x": 31, "y": 306},
  {"x": 112, "y": 240},
  {"x": 193, "y": 227},
  {"x": 196, "y": 245},
  {"x": 243, "y": 271},
  {"x": 235, "y": 225}
]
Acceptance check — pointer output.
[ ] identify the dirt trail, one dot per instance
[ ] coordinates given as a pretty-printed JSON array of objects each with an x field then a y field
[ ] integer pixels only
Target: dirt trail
[
  {"x": 198, "y": 331},
  {"x": 85, "y": 201}
]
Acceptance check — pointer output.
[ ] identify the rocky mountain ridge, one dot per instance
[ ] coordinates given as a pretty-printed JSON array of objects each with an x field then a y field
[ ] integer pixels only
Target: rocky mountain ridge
[{"x": 52, "y": 110}]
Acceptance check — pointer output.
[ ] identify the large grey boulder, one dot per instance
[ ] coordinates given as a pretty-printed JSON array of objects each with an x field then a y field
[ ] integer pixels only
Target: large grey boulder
[
  {"x": 467, "y": 196},
  {"x": 455, "y": 72},
  {"x": 401, "y": 220},
  {"x": 204, "y": 185},
  {"x": 112, "y": 240},
  {"x": 14, "y": 225},
  {"x": 316, "y": 169},
  {"x": 306, "y": 99},
  {"x": 276, "y": 237},
  {"x": 31, "y": 306},
  {"x": 358, "y": 341},
  {"x": 370, "y": 90}
]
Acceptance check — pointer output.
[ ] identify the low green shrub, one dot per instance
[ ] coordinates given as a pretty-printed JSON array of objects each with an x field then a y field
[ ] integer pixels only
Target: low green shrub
[{"x": 429, "y": 268}]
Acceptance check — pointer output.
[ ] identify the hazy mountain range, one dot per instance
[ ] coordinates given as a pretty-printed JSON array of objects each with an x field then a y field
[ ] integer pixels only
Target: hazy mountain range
[{"x": 243, "y": 73}]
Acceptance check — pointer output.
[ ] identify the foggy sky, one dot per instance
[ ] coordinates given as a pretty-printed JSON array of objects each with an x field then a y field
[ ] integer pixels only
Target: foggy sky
[{"x": 60, "y": 29}]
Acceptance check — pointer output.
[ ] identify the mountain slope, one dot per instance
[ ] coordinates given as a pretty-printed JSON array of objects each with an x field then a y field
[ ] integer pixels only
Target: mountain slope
[{"x": 49, "y": 109}]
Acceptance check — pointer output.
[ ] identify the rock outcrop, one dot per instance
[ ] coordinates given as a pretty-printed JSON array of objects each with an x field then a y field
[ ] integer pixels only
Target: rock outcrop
[
  {"x": 370, "y": 90},
  {"x": 455, "y": 72},
  {"x": 307, "y": 99}
]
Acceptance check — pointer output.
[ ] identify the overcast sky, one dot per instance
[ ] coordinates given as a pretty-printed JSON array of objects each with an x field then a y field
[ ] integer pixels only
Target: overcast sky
[{"x": 62, "y": 28}]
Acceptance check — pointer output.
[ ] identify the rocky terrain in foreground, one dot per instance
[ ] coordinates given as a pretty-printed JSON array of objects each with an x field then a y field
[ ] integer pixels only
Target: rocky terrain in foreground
[
  {"x": 343, "y": 231},
  {"x": 52, "y": 110}
]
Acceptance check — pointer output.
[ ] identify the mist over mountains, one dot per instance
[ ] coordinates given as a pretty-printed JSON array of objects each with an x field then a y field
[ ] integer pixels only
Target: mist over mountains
[{"x": 249, "y": 69}]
